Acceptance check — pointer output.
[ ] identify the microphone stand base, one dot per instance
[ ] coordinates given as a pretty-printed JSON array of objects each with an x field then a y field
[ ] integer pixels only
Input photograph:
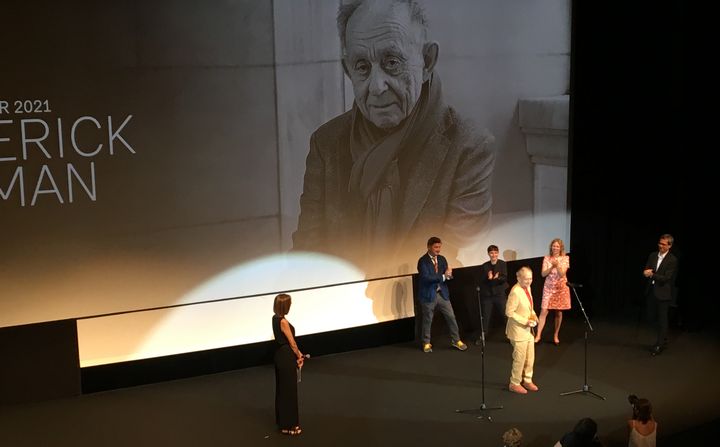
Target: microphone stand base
[
  {"x": 480, "y": 411},
  {"x": 584, "y": 390}
]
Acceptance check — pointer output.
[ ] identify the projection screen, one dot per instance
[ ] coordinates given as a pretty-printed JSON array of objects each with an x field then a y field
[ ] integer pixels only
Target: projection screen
[{"x": 155, "y": 154}]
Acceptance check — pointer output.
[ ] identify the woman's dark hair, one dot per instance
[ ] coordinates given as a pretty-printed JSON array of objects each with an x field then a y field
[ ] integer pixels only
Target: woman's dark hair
[
  {"x": 281, "y": 306},
  {"x": 584, "y": 434},
  {"x": 642, "y": 410},
  {"x": 585, "y": 428}
]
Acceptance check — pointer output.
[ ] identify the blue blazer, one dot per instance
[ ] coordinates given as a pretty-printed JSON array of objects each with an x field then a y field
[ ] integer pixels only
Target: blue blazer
[{"x": 429, "y": 281}]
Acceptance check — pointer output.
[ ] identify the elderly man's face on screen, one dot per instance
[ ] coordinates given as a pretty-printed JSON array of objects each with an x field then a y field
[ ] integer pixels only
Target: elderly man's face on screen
[{"x": 384, "y": 60}]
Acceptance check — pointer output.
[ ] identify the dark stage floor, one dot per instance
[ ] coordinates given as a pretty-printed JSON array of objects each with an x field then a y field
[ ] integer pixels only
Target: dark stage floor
[{"x": 398, "y": 396}]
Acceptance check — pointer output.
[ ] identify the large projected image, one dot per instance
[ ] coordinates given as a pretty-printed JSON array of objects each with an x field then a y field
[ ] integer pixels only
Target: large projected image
[
  {"x": 171, "y": 152},
  {"x": 401, "y": 164}
]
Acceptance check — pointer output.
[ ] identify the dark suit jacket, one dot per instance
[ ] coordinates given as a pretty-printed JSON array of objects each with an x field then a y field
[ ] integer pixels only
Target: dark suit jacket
[
  {"x": 664, "y": 277},
  {"x": 495, "y": 287},
  {"x": 428, "y": 280},
  {"x": 444, "y": 191}
]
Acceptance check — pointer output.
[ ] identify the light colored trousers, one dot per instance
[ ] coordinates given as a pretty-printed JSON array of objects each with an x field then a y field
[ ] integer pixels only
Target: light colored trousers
[{"x": 523, "y": 360}]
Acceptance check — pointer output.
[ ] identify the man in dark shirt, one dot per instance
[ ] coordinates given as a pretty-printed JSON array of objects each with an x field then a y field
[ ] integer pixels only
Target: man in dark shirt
[{"x": 493, "y": 285}]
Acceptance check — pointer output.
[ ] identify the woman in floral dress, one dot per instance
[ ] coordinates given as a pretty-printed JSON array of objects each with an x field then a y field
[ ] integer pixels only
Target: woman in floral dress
[{"x": 556, "y": 295}]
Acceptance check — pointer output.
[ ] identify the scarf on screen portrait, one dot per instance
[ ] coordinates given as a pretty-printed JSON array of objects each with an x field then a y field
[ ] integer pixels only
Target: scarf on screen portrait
[{"x": 375, "y": 174}]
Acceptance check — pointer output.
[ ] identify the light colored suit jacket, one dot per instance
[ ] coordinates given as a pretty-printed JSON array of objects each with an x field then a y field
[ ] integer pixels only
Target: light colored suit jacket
[{"x": 518, "y": 311}]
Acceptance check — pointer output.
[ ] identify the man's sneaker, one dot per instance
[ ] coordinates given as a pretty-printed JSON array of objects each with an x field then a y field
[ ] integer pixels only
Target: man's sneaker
[
  {"x": 517, "y": 389},
  {"x": 657, "y": 350},
  {"x": 427, "y": 347},
  {"x": 460, "y": 345}
]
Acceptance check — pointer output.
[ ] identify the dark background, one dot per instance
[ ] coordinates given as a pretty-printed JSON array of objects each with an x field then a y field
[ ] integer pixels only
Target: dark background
[{"x": 629, "y": 138}]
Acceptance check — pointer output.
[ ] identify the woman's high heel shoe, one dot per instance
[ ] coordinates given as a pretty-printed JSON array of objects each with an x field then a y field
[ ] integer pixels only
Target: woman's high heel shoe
[{"x": 292, "y": 431}]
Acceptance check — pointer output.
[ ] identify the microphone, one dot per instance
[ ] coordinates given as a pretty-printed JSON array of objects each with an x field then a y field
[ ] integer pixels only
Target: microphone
[
  {"x": 574, "y": 284},
  {"x": 299, "y": 370}
]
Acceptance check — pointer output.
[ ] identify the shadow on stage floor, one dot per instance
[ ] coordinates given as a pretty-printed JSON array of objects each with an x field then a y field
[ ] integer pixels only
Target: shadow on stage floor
[{"x": 398, "y": 396}]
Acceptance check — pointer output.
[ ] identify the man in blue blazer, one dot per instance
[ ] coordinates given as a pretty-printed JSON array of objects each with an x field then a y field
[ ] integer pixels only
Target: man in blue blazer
[
  {"x": 433, "y": 290},
  {"x": 660, "y": 270}
]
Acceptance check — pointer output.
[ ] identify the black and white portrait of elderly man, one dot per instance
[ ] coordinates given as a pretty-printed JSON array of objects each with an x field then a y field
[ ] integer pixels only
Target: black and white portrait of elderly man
[{"x": 401, "y": 164}]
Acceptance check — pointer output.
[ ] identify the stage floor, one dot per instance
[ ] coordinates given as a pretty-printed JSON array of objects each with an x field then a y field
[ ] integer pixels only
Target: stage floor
[{"x": 398, "y": 396}]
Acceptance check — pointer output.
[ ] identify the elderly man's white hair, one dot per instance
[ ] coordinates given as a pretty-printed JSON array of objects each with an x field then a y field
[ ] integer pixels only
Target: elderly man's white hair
[{"x": 345, "y": 11}]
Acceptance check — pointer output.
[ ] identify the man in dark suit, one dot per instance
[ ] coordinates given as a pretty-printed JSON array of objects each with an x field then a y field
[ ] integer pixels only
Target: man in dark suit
[
  {"x": 401, "y": 164},
  {"x": 493, "y": 286},
  {"x": 660, "y": 270},
  {"x": 433, "y": 293}
]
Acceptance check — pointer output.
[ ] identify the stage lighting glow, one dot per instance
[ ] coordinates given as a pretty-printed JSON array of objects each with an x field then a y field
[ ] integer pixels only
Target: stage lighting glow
[
  {"x": 247, "y": 320},
  {"x": 275, "y": 273}
]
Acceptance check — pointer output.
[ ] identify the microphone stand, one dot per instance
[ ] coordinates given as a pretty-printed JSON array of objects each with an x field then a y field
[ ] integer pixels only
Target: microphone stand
[
  {"x": 483, "y": 407},
  {"x": 588, "y": 327}
]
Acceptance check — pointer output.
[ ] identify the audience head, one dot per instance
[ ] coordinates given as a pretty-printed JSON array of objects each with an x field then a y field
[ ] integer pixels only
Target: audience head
[
  {"x": 586, "y": 428},
  {"x": 512, "y": 438},
  {"x": 642, "y": 408}
]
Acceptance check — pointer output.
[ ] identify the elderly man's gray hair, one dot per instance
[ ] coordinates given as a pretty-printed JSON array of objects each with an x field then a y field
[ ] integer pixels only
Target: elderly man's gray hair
[{"x": 417, "y": 15}]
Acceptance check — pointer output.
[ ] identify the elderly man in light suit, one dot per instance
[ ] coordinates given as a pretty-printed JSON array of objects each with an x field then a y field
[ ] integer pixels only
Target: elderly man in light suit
[{"x": 521, "y": 319}]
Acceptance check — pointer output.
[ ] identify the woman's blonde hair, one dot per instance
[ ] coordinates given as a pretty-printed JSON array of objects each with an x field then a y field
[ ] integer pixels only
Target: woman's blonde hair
[{"x": 562, "y": 246}]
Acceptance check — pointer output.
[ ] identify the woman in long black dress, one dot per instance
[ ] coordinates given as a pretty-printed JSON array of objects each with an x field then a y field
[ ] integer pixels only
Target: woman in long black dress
[{"x": 288, "y": 359}]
